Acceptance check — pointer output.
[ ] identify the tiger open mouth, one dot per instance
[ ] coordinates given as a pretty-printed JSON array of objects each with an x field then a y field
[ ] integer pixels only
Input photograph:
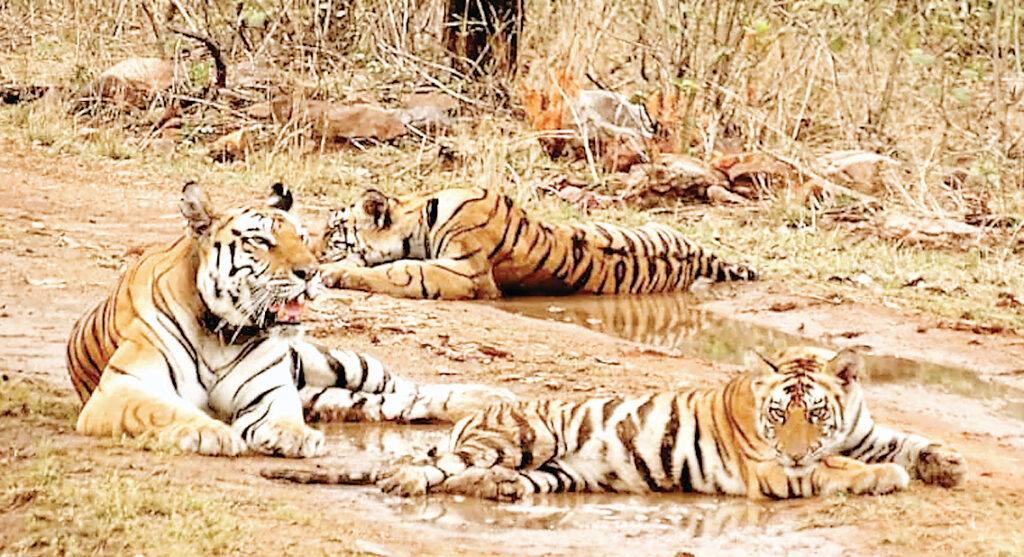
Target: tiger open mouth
[{"x": 288, "y": 313}]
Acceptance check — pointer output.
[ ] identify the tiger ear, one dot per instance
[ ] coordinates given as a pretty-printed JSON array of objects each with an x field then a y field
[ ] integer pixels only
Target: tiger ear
[
  {"x": 771, "y": 364},
  {"x": 280, "y": 197},
  {"x": 375, "y": 205},
  {"x": 196, "y": 208},
  {"x": 847, "y": 366}
]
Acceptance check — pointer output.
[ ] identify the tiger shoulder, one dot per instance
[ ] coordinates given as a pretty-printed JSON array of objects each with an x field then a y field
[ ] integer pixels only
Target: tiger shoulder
[{"x": 479, "y": 243}]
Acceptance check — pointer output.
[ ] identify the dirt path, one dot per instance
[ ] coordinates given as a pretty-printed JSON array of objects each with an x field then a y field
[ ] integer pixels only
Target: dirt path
[{"x": 69, "y": 224}]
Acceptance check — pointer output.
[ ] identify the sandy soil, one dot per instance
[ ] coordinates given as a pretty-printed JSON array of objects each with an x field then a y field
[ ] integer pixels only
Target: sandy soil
[{"x": 69, "y": 224}]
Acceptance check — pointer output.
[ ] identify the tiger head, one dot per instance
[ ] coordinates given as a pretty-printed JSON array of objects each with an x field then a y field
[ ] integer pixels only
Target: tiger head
[
  {"x": 374, "y": 229},
  {"x": 806, "y": 404},
  {"x": 255, "y": 265}
]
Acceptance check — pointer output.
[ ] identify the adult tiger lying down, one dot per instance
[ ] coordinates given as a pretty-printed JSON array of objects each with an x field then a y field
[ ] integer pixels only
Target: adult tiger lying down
[
  {"x": 797, "y": 429},
  {"x": 201, "y": 346},
  {"x": 477, "y": 243}
]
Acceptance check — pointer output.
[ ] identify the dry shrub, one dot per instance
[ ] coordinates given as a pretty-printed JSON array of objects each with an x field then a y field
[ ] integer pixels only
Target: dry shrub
[{"x": 925, "y": 84}]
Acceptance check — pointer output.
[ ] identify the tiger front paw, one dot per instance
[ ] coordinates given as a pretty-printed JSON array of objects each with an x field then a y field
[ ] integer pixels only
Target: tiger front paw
[
  {"x": 878, "y": 479},
  {"x": 406, "y": 481},
  {"x": 498, "y": 483},
  {"x": 340, "y": 275},
  {"x": 939, "y": 465},
  {"x": 288, "y": 438},
  {"x": 208, "y": 437}
]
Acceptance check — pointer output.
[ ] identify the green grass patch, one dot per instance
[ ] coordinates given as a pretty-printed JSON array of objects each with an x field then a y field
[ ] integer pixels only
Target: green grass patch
[{"x": 35, "y": 401}]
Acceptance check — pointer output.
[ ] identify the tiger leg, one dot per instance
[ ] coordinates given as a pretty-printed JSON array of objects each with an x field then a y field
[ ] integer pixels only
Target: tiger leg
[
  {"x": 448, "y": 279},
  {"x": 509, "y": 484},
  {"x": 265, "y": 409},
  {"x": 491, "y": 454},
  {"x": 925, "y": 459},
  {"x": 135, "y": 397},
  {"x": 341, "y": 385},
  {"x": 831, "y": 475}
]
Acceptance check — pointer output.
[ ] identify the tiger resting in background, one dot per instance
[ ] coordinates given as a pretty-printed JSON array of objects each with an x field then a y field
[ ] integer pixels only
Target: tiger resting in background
[
  {"x": 477, "y": 243},
  {"x": 797, "y": 429},
  {"x": 200, "y": 345}
]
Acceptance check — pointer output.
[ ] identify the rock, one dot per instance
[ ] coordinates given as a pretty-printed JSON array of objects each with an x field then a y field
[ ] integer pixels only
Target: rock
[
  {"x": 675, "y": 177},
  {"x": 131, "y": 82},
  {"x": 756, "y": 175},
  {"x": 863, "y": 171},
  {"x": 339, "y": 121},
  {"x": 427, "y": 110}
]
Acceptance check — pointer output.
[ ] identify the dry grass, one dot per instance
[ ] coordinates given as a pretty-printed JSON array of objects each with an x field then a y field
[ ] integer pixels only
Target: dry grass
[
  {"x": 57, "y": 499},
  {"x": 927, "y": 521},
  {"x": 937, "y": 87}
]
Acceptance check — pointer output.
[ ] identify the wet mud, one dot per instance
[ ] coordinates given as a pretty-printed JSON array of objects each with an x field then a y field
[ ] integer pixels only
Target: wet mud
[
  {"x": 566, "y": 524},
  {"x": 676, "y": 323}
]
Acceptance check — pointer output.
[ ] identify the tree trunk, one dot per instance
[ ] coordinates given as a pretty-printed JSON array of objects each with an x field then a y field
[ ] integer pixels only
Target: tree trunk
[{"x": 484, "y": 34}]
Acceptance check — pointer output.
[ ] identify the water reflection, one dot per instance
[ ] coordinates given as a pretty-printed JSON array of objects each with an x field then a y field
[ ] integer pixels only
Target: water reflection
[
  {"x": 355, "y": 447},
  {"x": 671, "y": 321}
]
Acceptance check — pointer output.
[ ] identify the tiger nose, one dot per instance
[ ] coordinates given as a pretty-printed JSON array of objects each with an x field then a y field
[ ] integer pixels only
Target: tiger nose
[{"x": 306, "y": 272}]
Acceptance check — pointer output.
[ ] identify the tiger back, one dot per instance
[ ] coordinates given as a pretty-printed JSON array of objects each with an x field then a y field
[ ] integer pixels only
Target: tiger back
[{"x": 478, "y": 243}]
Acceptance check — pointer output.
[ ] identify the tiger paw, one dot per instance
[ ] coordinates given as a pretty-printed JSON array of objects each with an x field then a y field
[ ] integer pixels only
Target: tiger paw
[
  {"x": 339, "y": 275},
  {"x": 877, "y": 479},
  {"x": 206, "y": 438},
  {"x": 939, "y": 465},
  {"x": 407, "y": 481},
  {"x": 498, "y": 483},
  {"x": 288, "y": 438}
]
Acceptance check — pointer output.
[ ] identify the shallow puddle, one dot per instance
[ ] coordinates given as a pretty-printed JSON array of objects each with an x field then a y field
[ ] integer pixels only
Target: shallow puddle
[
  {"x": 672, "y": 322},
  {"x": 567, "y": 524},
  {"x": 662, "y": 524}
]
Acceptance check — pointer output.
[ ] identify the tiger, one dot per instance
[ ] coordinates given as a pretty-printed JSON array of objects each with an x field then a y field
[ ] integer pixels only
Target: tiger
[
  {"x": 465, "y": 243},
  {"x": 798, "y": 428},
  {"x": 200, "y": 345}
]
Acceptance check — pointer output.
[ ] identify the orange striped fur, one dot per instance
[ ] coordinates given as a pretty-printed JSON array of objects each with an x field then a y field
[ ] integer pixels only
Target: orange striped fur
[
  {"x": 200, "y": 345},
  {"x": 477, "y": 243}
]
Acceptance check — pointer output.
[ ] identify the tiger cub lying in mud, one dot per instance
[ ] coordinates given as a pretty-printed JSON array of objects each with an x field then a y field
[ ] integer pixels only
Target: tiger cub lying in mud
[
  {"x": 476, "y": 243},
  {"x": 200, "y": 345},
  {"x": 797, "y": 429}
]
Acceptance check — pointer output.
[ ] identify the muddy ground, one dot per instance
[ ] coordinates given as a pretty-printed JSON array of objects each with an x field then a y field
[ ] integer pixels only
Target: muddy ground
[{"x": 69, "y": 224}]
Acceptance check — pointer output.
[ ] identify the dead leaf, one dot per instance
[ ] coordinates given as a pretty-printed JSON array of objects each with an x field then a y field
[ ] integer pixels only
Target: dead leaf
[
  {"x": 782, "y": 306},
  {"x": 230, "y": 146},
  {"x": 603, "y": 121}
]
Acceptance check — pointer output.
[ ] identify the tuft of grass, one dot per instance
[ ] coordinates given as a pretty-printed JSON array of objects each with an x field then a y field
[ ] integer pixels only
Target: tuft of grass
[
  {"x": 927, "y": 521},
  {"x": 69, "y": 506},
  {"x": 35, "y": 401},
  {"x": 120, "y": 512}
]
